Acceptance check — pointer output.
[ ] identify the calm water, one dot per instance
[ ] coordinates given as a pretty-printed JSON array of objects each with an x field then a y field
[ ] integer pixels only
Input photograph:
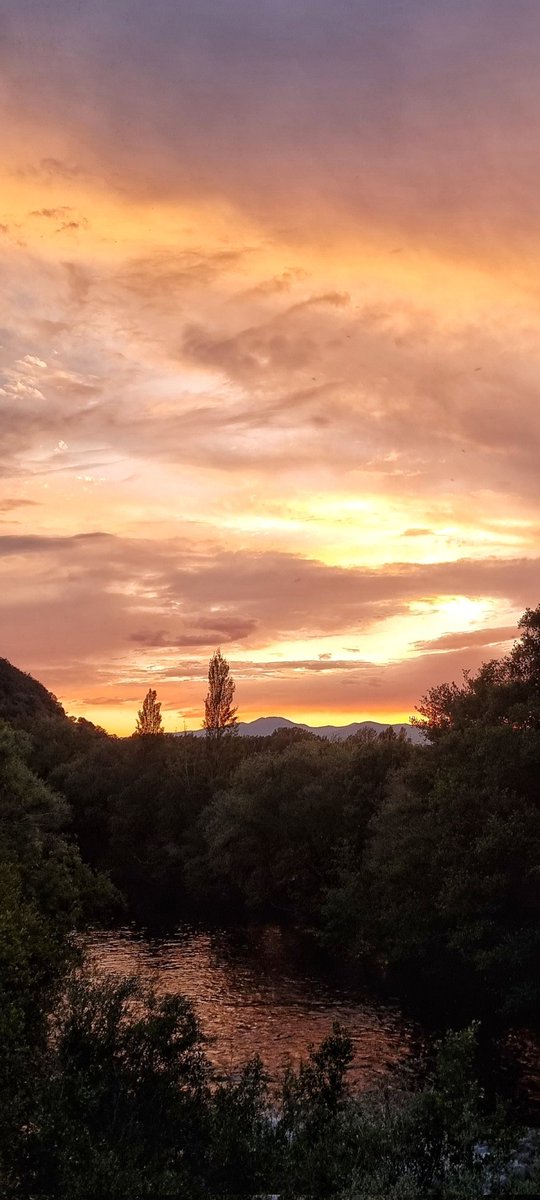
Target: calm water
[{"x": 257, "y": 992}]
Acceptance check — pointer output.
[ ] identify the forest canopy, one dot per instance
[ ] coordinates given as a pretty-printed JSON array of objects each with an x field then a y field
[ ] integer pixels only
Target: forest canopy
[{"x": 421, "y": 861}]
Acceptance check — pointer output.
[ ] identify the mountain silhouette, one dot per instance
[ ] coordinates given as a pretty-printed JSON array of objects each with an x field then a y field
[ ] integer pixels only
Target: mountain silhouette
[{"x": 266, "y": 726}]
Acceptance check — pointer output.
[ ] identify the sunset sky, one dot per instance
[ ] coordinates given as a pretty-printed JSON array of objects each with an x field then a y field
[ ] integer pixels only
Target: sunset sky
[{"x": 269, "y": 348}]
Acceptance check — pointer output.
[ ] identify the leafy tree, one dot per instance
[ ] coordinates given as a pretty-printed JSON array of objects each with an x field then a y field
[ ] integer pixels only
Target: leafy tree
[
  {"x": 149, "y": 721},
  {"x": 124, "y": 1102},
  {"x": 219, "y": 713},
  {"x": 270, "y": 834},
  {"x": 45, "y": 893},
  {"x": 149, "y": 815},
  {"x": 452, "y": 878},
  {"x": 504, "y": 691}
]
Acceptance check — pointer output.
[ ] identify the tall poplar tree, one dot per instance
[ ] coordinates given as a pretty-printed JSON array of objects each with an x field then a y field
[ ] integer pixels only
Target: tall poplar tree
[
  {"x": 219, "y": 712},
  {"x": 149, "y": 716}
]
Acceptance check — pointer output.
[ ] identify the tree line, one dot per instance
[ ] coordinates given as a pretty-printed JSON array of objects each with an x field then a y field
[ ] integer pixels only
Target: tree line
[
  {"x": 106, "y": 1089},
  {"x": 418, "y": 862}
]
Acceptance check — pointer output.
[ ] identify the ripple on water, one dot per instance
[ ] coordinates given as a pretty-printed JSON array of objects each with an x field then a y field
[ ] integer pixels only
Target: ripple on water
[{"x": 252, "y": 998}]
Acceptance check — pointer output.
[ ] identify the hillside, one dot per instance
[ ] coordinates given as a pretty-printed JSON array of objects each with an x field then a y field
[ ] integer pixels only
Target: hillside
[{"x": 23, "y": 698}]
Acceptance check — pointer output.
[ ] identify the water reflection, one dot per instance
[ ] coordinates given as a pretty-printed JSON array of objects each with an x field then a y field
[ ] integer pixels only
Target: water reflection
[{"x": 255, "y": 993}]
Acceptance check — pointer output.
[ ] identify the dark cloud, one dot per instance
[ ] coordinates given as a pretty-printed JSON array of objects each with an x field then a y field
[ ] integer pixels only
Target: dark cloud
[
  {"x": 464, "y": 640},
  {"x": 30, "y": 544},
  {"x": 160, "y": 277},
  {"x": 276, "y": 285},
  {"x": 315, "y": 665},
  {"x": 72, "y": 226},
  {"x": 208, "y": 632},
  {"x": 8, "y": 505},
  {"x": 425, "y": 120},
  {"x": 151, "y": 637},
  {"x": 51, "y": 213}
]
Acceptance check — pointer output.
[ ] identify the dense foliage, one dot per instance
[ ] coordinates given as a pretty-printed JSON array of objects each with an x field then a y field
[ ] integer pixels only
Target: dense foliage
[
  {"x": 123, "y": 1103},
  {"x": 422, "y": 861},
  {"x": 46, "y": 892}
]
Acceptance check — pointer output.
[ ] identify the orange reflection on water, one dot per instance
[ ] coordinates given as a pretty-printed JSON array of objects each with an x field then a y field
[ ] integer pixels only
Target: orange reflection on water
[{"x": 255, "y": 994}]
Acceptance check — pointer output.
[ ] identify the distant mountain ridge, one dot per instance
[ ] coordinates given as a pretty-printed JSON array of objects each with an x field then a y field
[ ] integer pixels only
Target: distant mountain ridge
[{"x": 266, "y": 726}]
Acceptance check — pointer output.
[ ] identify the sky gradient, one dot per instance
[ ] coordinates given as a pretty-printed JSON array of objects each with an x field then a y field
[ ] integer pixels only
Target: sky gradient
[{"x": 269, "y": 348}]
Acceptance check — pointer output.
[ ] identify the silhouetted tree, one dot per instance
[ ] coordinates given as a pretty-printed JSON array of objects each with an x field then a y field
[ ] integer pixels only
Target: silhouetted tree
[
  {"x": 149, "y": 716},
  {"x": 504, "y": 691},
  {"x": 219, "y": 713}
]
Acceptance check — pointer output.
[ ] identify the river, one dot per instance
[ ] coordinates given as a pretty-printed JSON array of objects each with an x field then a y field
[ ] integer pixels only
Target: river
[{"x": 259, "y": 991}]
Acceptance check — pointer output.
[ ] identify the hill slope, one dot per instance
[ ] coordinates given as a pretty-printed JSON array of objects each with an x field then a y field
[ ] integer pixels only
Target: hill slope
[{"x": 23, "y": 698}]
